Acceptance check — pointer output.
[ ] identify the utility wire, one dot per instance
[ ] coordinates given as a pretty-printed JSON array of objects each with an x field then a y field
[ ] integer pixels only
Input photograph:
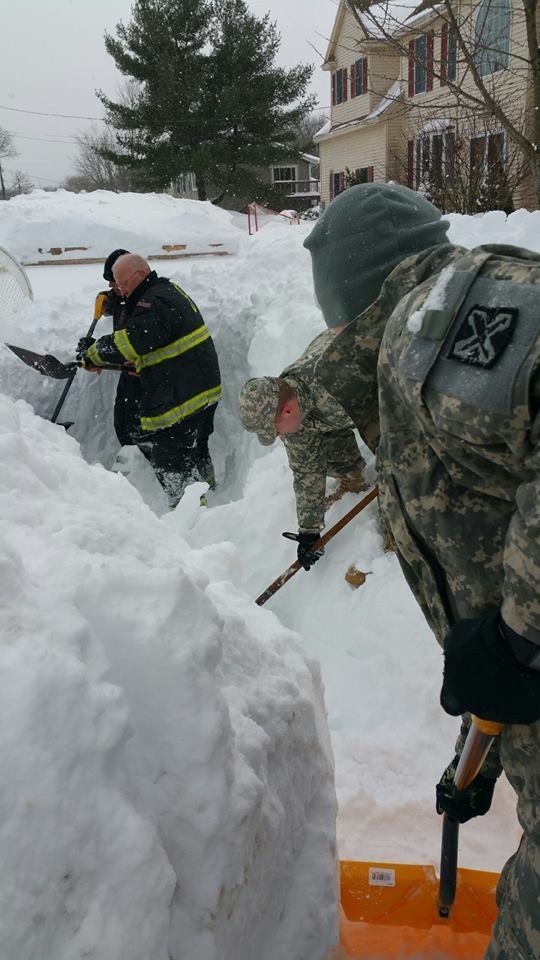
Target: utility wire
[
  {"x": 22, "y": 136},
  {"x": 39, "y": 113}
]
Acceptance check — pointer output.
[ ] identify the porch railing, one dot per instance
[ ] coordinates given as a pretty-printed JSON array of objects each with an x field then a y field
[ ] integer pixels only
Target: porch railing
[{"x": 291, "y": 188}]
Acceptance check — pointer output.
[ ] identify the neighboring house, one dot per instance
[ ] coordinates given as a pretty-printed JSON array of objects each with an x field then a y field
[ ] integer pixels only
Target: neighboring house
[
  {"x": 394, "y": 117},
  {"x": 298, "y": 181},
  {"x": 295, "y": 184},
  {"x": 365, "y": 126}
]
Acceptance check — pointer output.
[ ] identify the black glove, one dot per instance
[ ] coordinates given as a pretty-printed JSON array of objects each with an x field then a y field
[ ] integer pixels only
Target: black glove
[
  {"x": 83, "y": 346},
  {"x": 463, "y": 805},
  {"x": 485, "y": 672},
  {"x": 306, "y": 556}
]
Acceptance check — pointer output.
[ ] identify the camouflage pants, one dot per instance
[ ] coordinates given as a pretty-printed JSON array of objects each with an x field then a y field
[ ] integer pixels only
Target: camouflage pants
[{"x": 516, "y": 934}]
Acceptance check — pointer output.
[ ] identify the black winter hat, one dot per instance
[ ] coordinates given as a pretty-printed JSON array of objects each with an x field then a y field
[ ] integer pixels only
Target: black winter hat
[
  {"x": 359, "y": 239},
  {"x": 110, "y": 262}
]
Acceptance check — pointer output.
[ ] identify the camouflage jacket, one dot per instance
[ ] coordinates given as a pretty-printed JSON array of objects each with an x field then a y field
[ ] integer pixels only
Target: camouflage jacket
[
  {"x": 442, "y": 375},
  {"x": 325, "y": 440}
]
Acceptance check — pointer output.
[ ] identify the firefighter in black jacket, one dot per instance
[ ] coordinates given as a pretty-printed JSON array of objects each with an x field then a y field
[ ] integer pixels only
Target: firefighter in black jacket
[{"x": 164, "y": 340}]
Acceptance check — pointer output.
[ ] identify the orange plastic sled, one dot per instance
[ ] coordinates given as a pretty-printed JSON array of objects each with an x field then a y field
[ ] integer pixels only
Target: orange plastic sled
[{"x": 380, "y": 921}]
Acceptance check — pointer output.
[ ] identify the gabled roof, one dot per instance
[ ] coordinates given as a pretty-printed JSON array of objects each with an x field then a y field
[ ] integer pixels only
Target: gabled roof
[
  {"x": 377, "y": 21},
  {"x": 391, "y": 97}
]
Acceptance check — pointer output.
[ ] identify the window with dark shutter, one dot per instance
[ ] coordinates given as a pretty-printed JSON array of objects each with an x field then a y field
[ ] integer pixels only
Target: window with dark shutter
[
  {"x": 341, "y": 85},
  {"x": 429, "y": 60},
  {"x": 451, "y": 56},
  {"x": 411, "y": 68},
  {"x": 444, "y": 54},
  {"x": 359, "y": 77},
  {"x": 420, "y": 64}
]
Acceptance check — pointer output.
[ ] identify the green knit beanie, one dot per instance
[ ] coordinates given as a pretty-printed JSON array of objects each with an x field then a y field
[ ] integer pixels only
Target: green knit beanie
[{"x": 359, "y": 239}]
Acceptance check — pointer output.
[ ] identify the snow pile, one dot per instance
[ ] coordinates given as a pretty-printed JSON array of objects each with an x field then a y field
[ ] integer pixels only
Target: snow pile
[
  {"x": 163, "y": 741},
  {"x": 36, "y": 224}
]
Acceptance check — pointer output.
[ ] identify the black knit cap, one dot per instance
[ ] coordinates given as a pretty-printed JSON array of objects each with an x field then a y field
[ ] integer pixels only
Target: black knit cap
[{"x": 110, "y": 262}]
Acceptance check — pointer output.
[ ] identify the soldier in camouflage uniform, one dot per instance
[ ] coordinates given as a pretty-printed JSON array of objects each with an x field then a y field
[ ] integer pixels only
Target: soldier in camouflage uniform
[
  {"x": 318, "y": 437},
  {"x": 441, "y": 374}
]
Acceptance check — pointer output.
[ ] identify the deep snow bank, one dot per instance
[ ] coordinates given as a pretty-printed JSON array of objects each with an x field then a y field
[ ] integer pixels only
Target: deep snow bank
[
  {"x": 37, "y": 223},
  {"x": 168, "y": 778}
]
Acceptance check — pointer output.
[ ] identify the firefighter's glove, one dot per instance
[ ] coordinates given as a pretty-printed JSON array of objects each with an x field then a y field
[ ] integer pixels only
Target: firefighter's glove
[
  {"x": 491, "y": 671},
  {"x": 103, "y": 305},
  {"x": 83, "y": 346},
  {"x": 306, "y": 556},
  {"x": 463, "y": 805}
]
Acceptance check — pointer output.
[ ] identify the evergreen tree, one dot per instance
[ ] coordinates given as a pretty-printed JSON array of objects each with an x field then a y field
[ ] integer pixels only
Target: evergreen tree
[{"x": 209, "y": 100}]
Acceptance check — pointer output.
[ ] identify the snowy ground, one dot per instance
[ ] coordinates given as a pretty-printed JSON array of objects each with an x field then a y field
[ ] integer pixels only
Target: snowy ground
[{"x": 112, "y": 581}]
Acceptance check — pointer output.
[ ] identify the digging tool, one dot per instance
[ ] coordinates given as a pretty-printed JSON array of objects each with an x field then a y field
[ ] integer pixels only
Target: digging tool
[
  {"x": 396, "y": 910},
  {"x": 321, "y": 542},
  {"x": 50, "y": 366}
]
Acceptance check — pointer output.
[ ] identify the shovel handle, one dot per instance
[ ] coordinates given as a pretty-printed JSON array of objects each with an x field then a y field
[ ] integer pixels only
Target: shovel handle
[
  {"x": 321, "y": 542},
  {"x": 479, "y": 739}
]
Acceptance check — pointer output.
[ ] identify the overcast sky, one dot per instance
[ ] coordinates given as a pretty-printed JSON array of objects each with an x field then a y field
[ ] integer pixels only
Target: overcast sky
[{"x": 53, "y": 59}]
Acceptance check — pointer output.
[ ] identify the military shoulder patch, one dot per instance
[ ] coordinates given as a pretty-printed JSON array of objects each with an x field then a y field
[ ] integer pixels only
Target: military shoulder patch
[{"x": 484, "y": 335}]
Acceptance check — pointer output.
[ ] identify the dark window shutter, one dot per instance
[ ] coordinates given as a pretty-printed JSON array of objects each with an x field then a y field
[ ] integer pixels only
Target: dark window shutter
[
  {"x": 370, "y": 174},
  {"x": 429, "y": 58},
  {"x": 333, "y": 89},
  {"x": 444, "y": 52},
  {"x": 411, "y": 68},
  {"x": 344, "y": 83},
  {"x": 341, "y": 182},
  {"x": 364, "y": 75},
  {"x": 352, "y": 81},
  {"x": 331, "y": 186},
  {"x": 410, "y": 164}
]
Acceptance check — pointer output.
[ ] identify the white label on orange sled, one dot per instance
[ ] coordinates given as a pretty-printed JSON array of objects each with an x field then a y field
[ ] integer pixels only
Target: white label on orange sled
[{"x": 379, "y": 877}]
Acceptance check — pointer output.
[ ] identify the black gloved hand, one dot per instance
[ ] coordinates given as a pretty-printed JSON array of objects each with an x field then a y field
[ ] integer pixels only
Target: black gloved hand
[
  {"x": 485, "y": 672},
  {"x": 83, "y": 346},
  {"x": 463, "y": 805},
  {"x": 306, "y": 556}
]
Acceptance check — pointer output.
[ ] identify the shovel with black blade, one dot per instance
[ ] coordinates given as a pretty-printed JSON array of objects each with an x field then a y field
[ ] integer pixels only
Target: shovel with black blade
[{"x": 50, "y": 366}]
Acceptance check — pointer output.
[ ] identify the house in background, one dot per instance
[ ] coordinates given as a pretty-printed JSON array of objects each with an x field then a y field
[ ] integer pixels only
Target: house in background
[
  {"x": 297, "y": 183},
  {"x": 394, "y": 116},
  {"x": 366, "y": 118},
  {"x": 294, "y": 185}
]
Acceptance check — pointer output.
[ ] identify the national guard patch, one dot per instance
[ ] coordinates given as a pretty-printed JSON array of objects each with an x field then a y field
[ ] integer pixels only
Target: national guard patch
[{"x": 484, "y": 335}]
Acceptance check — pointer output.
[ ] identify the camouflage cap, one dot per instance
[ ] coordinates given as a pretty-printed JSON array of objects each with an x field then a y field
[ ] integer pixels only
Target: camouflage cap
[{"x": 257, "y": 407}]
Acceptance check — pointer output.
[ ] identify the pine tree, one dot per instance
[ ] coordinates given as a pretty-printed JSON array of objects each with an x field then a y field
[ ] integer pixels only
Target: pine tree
[{"x": 209, "y": 101}]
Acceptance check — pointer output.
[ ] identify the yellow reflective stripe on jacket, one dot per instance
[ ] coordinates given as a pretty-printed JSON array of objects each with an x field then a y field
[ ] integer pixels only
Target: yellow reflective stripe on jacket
[
  {"x": 124, "y": 345},
  {"x": 169, "y": 352},
  {"x": 175, "y": 414},
  {"x": 174, "y": 349},
  {"x": 186, "y": 295},
  {"x": 93, "y": 355}
]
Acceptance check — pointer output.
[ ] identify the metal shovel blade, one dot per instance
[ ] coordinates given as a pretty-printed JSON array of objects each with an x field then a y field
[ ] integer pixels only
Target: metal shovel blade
[{"x": 44, "y": 363}]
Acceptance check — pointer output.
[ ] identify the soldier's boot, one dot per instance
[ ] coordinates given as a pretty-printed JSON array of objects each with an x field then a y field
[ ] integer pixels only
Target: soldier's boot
[{"x": 353, "y": 482}]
